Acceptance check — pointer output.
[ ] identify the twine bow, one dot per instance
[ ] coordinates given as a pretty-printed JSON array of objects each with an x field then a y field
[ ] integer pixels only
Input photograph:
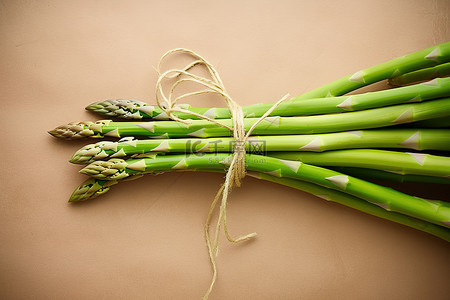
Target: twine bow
[{"x": 237, "y": 169}]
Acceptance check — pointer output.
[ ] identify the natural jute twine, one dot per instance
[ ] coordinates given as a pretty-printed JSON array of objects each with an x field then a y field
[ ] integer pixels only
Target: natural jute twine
[{"x": 236, "y": 170}]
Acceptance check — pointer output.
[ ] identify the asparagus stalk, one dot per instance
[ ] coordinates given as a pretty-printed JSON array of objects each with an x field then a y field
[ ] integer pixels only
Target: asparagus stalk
[
  {"x": 418, "y": 139},
  {"x": 93, "y": 188},
  {"x": 398, "y": 162},
  {"x": 132, "y": 109},
  {"x": 429, "y": 57},
  {"x": 441, "y": 70},
  {"x": 385, "y": 175},
  {"x": 358, "y": 204},
  {"x": 437, "y": 212},
  {"x": 372, "y": 118}
]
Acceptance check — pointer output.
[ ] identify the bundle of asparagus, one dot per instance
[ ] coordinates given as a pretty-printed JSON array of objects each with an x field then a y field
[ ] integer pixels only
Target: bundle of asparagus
[{"x": 323, "y": 142}]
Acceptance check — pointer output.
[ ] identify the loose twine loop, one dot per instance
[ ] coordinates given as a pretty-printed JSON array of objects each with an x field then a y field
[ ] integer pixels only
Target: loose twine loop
[{"x": 237, "y": 169}]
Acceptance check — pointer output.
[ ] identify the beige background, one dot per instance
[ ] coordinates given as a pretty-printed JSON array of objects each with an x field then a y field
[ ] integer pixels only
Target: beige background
[{"x": 143, "y": 239}]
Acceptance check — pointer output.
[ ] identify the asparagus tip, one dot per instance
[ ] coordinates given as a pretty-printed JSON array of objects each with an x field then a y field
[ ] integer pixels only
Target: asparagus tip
[
  {"x": 113, "y": 169},
  {"x": 73, "y": 131},
  {"x": 91, "y": 189}
]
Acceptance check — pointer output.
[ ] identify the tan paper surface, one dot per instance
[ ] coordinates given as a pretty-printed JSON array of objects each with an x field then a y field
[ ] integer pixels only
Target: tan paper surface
[{"x": 144, "y": 239}]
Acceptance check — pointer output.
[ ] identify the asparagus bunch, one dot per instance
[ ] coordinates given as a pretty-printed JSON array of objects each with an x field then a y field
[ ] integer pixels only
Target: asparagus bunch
[{"x": 303, "y": 140}]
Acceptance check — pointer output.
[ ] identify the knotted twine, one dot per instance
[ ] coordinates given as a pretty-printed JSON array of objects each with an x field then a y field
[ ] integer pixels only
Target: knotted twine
[{"x": 237, "y": 169}]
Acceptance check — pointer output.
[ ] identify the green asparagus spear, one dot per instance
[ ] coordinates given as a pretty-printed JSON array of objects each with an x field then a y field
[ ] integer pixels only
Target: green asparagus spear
[
  {"x": 421, "y": 75},
  {"x": 358, "y": 204},
  {"x": 429, "y": 57},
  {"x": 418, "y": 139},
  {"x": 386, "y": 175},
  {"x": 437, "y": 212},
  {"x": 132, "y": 109},
  {"x": 372, "y": 118},
  {"x": 398, "y": 162}
]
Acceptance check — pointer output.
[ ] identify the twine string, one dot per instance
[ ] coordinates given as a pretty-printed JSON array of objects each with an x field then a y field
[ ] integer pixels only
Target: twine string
[{"x": 237, "y": 168}]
